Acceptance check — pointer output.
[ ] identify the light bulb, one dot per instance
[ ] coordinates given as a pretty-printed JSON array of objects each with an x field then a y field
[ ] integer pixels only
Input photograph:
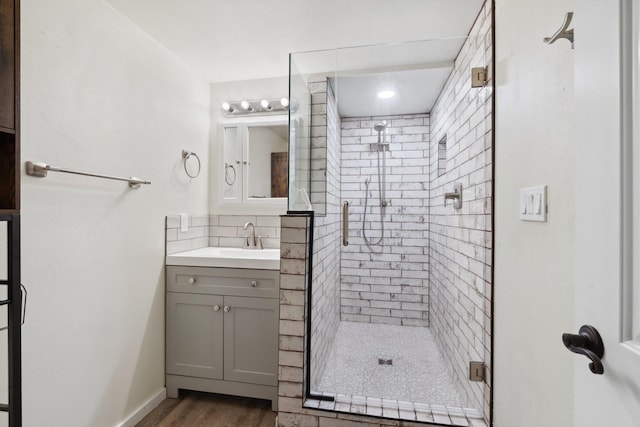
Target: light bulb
[
  {"x": 384, "y": 94},
  {"x": 245, "y": 105},
  {"x": 228, "y": 108},
  {"x": 284, "y": 102},
  {"x": 266, "y": 105}
]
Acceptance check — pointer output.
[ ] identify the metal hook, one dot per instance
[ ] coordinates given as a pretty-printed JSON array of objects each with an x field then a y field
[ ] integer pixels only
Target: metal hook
[{"x": 563, "y": 33}]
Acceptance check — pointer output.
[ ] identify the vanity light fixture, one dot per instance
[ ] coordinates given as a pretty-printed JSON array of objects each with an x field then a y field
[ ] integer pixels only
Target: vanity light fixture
[
  {"x": 263, "y": 106},
  {"x": 386, "y": 94}
]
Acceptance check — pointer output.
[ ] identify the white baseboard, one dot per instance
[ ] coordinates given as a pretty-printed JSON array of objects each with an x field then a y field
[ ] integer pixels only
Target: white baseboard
[{"x": 144, "y": 410}]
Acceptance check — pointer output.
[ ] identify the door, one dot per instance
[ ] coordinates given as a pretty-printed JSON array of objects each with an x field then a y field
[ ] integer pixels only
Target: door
[
  {"x": 194, "y": 335},
  {"x": 606, "y": 217},
  {"x": 251, "y": 340}
]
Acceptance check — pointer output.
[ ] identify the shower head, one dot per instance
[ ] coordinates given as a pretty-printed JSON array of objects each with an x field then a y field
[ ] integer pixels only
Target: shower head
[{"x": 380, "y": 127}]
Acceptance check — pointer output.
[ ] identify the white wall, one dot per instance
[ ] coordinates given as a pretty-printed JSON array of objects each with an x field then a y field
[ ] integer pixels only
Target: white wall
[
  {"x": 98, "y": 94},
  {"x": 533, "y": 261}
]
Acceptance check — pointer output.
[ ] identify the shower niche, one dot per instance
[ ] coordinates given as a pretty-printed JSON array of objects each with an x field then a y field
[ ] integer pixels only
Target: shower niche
[
  {"x": 253, "y": 163},
  {"x": 413, "y": 287}
]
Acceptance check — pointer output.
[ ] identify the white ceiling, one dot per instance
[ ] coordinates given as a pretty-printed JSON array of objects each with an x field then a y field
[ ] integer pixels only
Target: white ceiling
[
  {"x": 251, "y": 39},
  {"x": 416, "y": 91}
]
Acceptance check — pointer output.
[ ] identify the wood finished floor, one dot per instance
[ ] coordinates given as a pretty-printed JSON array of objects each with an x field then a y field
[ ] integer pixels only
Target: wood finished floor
[{"x": 211, "y": 410}]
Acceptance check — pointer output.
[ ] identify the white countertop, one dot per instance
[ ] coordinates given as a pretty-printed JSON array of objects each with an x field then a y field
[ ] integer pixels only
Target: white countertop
[{"x": 263, "y": 259}]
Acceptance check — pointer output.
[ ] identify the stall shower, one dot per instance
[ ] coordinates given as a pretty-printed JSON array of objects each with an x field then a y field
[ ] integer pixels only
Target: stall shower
[
  {"x": 413, "y": 282},
  {"x": 400, "y": 286}
]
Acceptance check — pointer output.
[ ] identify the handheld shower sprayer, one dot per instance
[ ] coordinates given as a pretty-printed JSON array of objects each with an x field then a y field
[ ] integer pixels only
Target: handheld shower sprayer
[{"x": 381, "y": 147}]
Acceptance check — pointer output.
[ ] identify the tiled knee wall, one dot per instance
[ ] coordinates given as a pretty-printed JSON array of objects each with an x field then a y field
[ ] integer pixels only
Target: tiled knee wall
[{"x": 386, "y": 283}]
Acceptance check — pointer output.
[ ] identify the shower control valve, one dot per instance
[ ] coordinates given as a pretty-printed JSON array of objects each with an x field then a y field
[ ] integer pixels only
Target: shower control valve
[{"x": 456, "y": 196}]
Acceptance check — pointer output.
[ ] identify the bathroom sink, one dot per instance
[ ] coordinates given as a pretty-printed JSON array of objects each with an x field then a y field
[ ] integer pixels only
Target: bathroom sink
[{"x": 264, "y": 259}]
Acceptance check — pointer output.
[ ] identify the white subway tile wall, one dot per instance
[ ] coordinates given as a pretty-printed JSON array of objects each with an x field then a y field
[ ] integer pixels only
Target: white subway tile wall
[
  {"x": 460, "y": 241},
  {"x": 318, "y": 186},
  {"x": 326, "y": 245},
  {"x": 228, "y": 230},
  {"x": 219, "y": 230},
  {"x": 386, "y": 283},
  {"x": 178, "y": 241}
]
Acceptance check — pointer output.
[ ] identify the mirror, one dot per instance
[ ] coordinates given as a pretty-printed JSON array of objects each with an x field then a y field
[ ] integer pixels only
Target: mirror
[
  {"x": 268, "y": 158},
  {"x": 254, "y": 163}
]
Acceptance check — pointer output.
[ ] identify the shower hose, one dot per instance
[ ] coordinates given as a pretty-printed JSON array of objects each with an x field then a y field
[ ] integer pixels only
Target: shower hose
[{"x": 381, "y": 197}]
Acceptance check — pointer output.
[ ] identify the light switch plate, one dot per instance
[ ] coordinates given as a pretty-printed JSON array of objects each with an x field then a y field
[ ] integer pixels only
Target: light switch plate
[
  {"x": 184, "y": 222},
  {"x": 533, "y": 203}
]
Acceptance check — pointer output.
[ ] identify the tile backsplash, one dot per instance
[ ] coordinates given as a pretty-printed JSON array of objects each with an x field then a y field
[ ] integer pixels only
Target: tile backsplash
[
  {"x": 179, "y": 241},
  {"x": 219, "y": 230},
  {"x": 228, "y": 230}
]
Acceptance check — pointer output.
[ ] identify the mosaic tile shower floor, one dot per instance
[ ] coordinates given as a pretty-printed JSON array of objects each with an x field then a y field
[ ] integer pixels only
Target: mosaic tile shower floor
[{"x": 418, "y": 372}]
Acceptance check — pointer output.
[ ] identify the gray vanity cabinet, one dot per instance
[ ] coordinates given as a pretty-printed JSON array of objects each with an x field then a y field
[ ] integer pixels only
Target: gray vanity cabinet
[{"x": 222, "y": 331}]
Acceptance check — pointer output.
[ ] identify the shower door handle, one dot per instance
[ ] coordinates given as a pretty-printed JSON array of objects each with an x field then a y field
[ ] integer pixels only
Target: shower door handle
[{"x": 345, "y": 223}]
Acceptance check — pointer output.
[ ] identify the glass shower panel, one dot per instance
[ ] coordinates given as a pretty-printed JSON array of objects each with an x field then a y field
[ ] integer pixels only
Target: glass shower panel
[
  {"x": 299, "y": 140},
  {"x": 310, "y": 72}
]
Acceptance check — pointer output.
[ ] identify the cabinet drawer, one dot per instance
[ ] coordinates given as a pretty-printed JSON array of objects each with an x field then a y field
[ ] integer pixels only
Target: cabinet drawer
[{"x": 223, "y": 281}]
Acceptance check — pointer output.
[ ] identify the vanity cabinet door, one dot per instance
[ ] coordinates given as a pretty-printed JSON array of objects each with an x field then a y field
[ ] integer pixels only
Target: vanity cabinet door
[
  {"x": 194, "y": 335},
  {"x": 251, "y": 340}
]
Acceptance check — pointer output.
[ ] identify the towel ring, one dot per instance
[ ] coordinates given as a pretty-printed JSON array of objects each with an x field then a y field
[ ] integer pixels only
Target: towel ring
[
  {"x": 228, "y": 178},
  {"x": 186, "y": 155}
]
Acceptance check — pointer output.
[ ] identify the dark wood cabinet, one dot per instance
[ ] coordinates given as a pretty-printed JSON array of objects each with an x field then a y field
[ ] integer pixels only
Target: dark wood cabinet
[
  {"x": 10, "y": 203},
  {"x": 9, "y": 106}
]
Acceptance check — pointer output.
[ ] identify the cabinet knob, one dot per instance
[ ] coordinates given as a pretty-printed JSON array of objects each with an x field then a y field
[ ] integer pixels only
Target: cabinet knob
[
  {"x": 191, "y": 280},
  {"x": 254, "y": 283},
  {"x": 226, "y": 308},
  {"x": 216, "y": 307}
]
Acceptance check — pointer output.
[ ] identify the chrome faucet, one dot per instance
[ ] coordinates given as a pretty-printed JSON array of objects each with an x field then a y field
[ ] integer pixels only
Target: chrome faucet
[{"x": 250, "y": 241}]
